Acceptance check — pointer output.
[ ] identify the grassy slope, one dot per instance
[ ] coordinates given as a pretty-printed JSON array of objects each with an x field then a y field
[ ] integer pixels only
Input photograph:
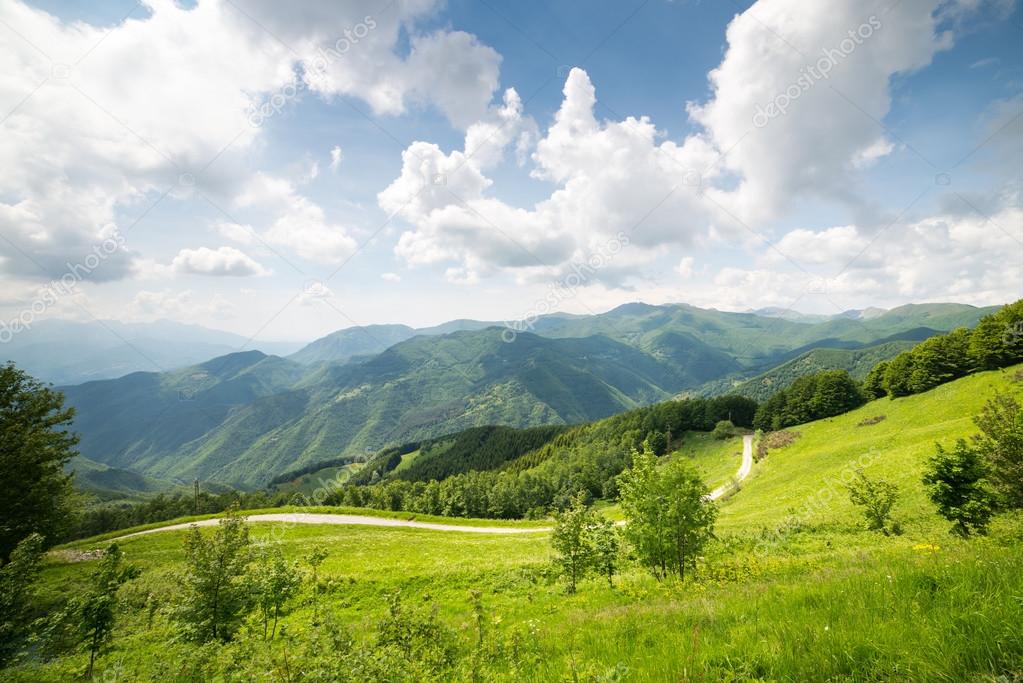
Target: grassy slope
[
  {"x": 826, "y": 601},
  {"x": 717, "y": 459},
  {"x": 895, "y": 449}
]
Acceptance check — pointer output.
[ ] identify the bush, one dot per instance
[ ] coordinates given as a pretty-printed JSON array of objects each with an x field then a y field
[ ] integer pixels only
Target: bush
[
  {"x": 724, "y": 430},
  {"x": 955, "y": 484},
  {"x": 877, "y": 498}
]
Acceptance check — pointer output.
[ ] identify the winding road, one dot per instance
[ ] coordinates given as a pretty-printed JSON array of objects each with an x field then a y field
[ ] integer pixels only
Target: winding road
[{"x": 365, "y": 520}]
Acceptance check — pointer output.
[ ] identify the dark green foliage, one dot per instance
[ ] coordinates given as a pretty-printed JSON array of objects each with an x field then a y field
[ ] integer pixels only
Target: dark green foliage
[
  {"x": 35, "y": 445},
  {"x": 669, "y": 517},
  {"x": 874, "y": 382},
  {"x": 940, "y": 359},
  {"x": 480, "y": 449},
  {"x": 956, "y": 484},
  {"x": 997, "y": 340},
  {"x": 825, "y": 394},
  {"x": 877, "y": 497},
  {"x": 217, "y": 593},
  {"x": 724, "y": 430},
  {"x": 16, "y": 580},
  {"x": 1000, "y": 444},
  {"x": 897, "y": 375}
]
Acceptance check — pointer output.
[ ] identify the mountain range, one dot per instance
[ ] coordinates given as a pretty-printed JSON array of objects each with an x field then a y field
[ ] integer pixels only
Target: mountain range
[{"x": 244, "y": 418}]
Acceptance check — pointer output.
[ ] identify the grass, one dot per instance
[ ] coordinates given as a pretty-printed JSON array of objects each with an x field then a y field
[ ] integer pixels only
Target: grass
[
  {"x": 778, "y": 597},
  {"x": 717, "y": 459}
]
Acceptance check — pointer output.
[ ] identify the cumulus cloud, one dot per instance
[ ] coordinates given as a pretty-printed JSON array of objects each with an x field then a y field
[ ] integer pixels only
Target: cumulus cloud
[
  {"x": 299, "y": 223},
  {"x": 220, "y": 262},
  {"x": 390, "y": 277},
  {"x": 102, "y": 119},
  {"x": 835, "y": 62}
]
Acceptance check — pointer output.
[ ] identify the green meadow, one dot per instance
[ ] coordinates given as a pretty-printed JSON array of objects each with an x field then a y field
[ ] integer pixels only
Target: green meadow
[{"x": 794, "y": 588}]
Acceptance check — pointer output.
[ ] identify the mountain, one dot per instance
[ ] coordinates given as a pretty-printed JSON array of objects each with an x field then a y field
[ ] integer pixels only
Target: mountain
[
  {"x": 343, "y": 345},
  {"x": 69, "y": 352},
  {"x": 245, "y": 418}
]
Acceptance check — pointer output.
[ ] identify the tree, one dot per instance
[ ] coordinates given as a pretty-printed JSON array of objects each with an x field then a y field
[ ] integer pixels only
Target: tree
[
  {"x": 277, "y": 581},
  {"x": 572, "y": 540},
  {"x": 897, "y": 375},
  {"x": 955, "y": 483},
  {"x": 997, "y": 340},
  {"x": 217, "y": 594},
  {"x": 940, "y": 359},
  {"x": 607, "y": 548},
  {"x": 16, "y": 580},
  {"x": 1000, "y": 444},
  {"x": 35, "y": 445},
  {"x": 877, "y": 498},
  {"x": 96, "y": 611},
  {"x": 723, "y": 430},
  {"x": 314, "y": 560},
  {"x": 873, "y": 383},
  {"x": 670, "y": 517},
  {"x": 835, "y": 392}
]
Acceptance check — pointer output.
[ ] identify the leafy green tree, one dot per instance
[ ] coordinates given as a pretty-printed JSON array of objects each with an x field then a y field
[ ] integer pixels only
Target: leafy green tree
[
  {"x": 723, "y": 430},
  {"x": 877, "y": 497},
  {"x": 16, "y": 580},
  {"x": 658, "y": 441},
  {"x": 997, "y": 340},
  {"x": 940, "y": 359},
  {"x": 314, "y": 560},
  {"x": 572, "y": 541},
  {"x": 1000, "y": 444},
  {"x": 35, "y": 445},
  {"x": 835, "y": 392},
  {"x": 873, "y": 383},
  {"x": 216, "y": 590},
  {"x": 607, "y": 549},
  {"x": 277, "y": 582},
  {"x": 670, "y": 517},
  {"x": 897, "y": 375},
  {"x": 96, "y": 611},
  {"x": 956, "y": 484}
]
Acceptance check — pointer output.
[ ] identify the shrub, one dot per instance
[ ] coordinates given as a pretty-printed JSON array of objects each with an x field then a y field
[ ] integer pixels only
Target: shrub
[
  {"x": 955, "y": 484},
  {"x": 867, "y": 421},
  {"x": 216, "y": 591},
  {"x": 877, "y": 498}
]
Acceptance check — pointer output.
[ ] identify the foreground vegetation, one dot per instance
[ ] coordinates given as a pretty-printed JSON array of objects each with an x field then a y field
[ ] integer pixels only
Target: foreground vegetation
[{"x": 788, "y": 573}]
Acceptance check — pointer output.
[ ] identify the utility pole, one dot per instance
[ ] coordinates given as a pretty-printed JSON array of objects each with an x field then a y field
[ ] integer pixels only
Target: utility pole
[{"x": 195, "y": 497}]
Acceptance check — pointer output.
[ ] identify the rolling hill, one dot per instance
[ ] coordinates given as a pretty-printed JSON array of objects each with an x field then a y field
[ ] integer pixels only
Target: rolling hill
[{"x": 245, "y": 418}]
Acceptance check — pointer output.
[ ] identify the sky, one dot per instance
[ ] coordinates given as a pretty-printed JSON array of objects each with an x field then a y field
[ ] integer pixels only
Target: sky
[{"x": 283, "y": 170}]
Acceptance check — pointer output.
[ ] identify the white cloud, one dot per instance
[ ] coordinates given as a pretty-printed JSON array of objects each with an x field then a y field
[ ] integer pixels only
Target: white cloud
[
  {"x": 390, "y": 277},
  {"x": 156, "y": 98},
  {"x": 223, "y": 262},
  {"x": 612, "y": 176},
  {"x": 830, "y": 122},
  {"x": 300, "y": 223},
  {"x": 178, "y": 305},
  {"x": 336, "y": 157},
  {"x": 685, "y": 267},
  {"x": 313, "y": 292}
]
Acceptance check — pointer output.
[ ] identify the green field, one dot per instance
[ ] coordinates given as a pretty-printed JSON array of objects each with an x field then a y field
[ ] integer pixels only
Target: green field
[{"x": 793, "y": 589}]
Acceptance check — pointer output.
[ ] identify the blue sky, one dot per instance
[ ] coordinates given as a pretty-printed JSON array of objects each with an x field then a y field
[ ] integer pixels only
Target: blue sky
[{"x": 628, "y": 143}]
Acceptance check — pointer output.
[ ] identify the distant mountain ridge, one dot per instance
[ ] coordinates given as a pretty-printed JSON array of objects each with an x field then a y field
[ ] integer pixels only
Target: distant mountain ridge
[
  {"x": 244, "y": 418},
  {"x": 70, "y": 352}
]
